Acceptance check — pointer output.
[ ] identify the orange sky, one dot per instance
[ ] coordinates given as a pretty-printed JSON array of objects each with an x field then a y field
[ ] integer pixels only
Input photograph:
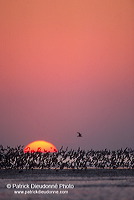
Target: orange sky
[{"x": 67, "y": 66}]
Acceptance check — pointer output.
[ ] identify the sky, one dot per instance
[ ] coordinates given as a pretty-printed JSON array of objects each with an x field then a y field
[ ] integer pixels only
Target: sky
[{"x": 67, "y": 66}]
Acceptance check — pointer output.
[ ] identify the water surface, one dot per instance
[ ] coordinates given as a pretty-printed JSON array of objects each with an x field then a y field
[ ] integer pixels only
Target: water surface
[{"x": 91, "y": 184}]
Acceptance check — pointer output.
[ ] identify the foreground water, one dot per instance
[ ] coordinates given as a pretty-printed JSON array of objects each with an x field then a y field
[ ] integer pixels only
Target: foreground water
[{"x": 92, "y": 184}]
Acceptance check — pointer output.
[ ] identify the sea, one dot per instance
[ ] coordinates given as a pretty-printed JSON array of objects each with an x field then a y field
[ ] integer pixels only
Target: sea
[{"x": 67, "y": 184}]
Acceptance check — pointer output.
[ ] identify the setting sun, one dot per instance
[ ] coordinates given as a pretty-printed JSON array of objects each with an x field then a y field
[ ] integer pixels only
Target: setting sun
[{"x": 40, "y": 146}]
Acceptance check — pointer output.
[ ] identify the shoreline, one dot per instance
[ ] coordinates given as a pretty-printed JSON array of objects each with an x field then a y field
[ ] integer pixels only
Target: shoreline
[{"x": 40, "y": 173}]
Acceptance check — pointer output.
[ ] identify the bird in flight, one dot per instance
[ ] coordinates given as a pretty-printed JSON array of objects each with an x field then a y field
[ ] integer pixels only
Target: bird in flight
[{"x": 79, "y": 134}]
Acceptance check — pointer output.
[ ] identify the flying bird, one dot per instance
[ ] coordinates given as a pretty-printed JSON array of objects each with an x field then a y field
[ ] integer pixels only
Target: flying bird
[{"x": 79, "y": 134}]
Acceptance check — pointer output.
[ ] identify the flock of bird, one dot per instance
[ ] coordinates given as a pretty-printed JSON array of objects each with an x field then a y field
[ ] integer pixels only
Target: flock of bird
[{"x": 15, "y": 158}]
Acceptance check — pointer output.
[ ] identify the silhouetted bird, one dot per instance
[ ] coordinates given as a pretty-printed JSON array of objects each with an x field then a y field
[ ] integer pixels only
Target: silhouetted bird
[{"x": 79, "y": 134}]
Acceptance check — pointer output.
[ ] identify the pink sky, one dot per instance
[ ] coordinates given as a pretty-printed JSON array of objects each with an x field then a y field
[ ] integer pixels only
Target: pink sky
[{"x": 67, "y": 66}]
